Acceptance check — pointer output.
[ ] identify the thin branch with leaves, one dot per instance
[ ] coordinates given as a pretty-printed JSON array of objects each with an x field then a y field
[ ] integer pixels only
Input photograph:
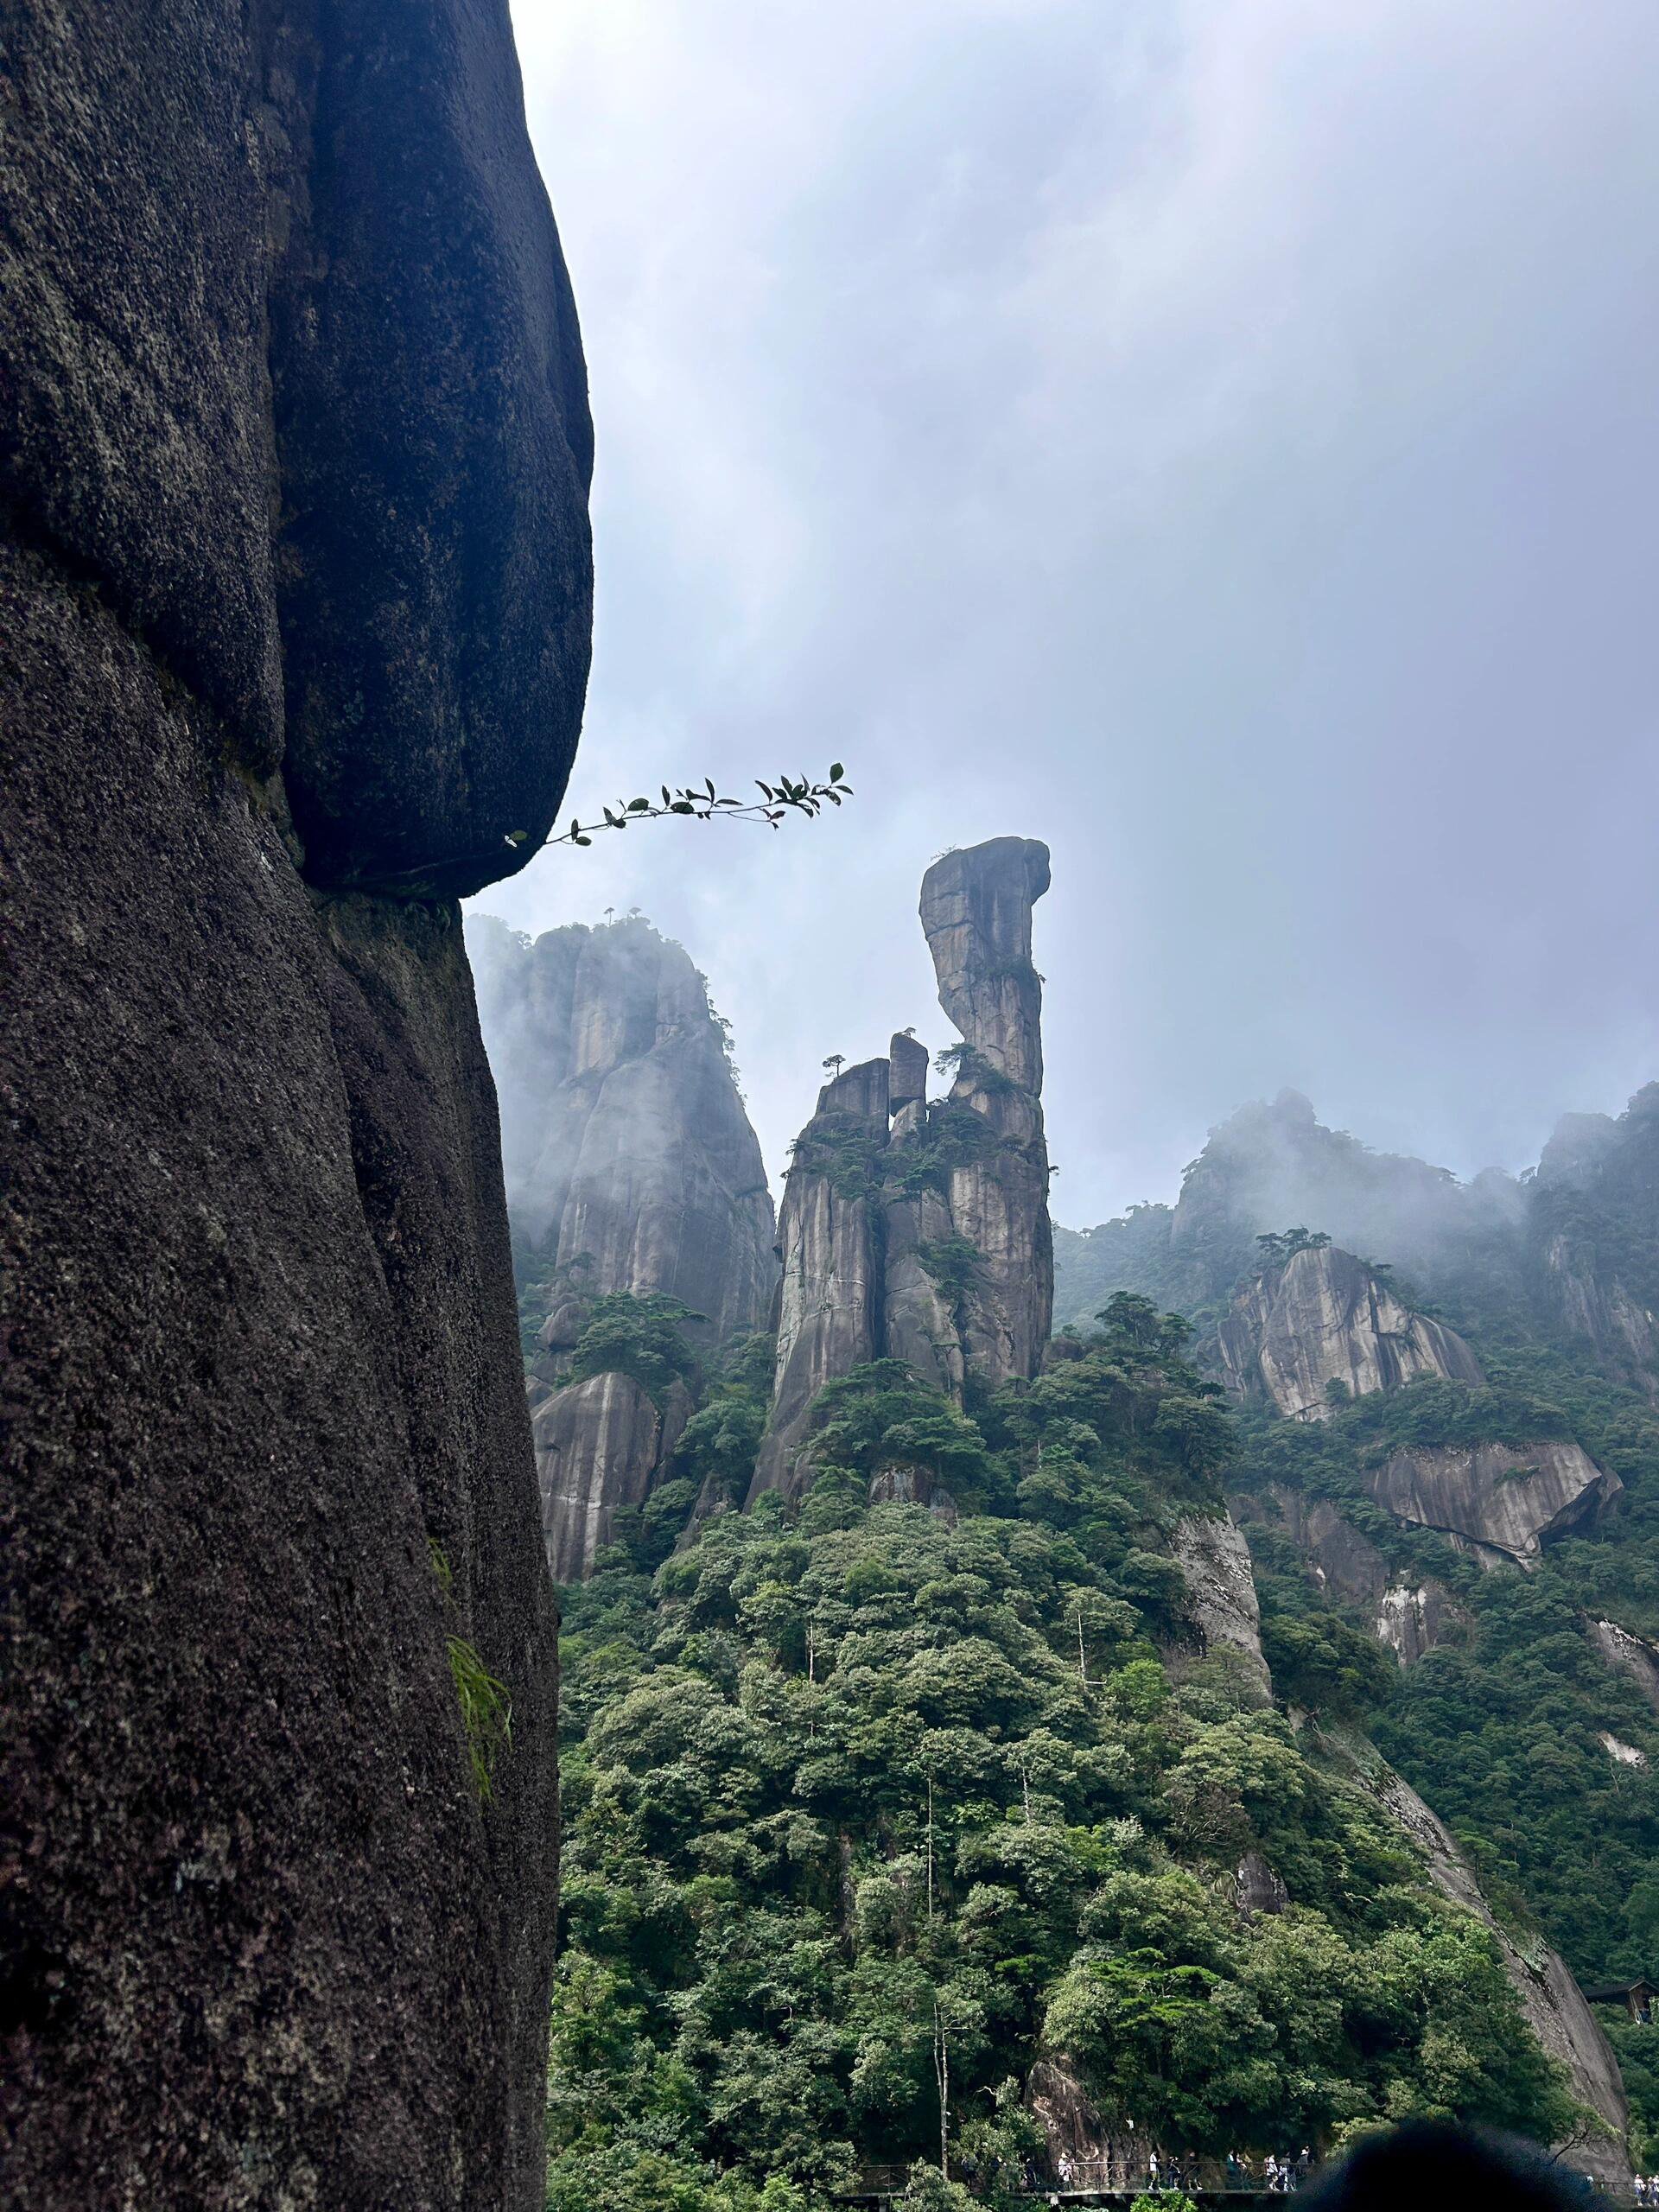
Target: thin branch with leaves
[{"x": 702, "y": 802}]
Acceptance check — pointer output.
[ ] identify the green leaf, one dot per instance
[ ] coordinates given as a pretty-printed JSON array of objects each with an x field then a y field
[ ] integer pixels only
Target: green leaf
[{"x": 836, "y": 773}]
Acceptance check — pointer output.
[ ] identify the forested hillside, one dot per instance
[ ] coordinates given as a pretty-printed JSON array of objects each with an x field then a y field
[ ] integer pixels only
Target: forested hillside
[
  {"x": 1522, "y": 1704},
  {"x": 878, "y": 1816}
]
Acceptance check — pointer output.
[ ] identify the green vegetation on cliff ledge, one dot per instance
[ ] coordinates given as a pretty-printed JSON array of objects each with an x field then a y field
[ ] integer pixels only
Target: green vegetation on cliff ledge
[{"x": 868, "y": 1809}]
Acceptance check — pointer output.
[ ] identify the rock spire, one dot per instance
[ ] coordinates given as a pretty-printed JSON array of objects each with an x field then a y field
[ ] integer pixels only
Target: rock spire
[{"x": 919, "y": 1229}]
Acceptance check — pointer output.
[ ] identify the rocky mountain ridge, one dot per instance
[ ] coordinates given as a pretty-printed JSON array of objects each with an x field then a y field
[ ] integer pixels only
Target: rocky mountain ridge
[
  {"x": 1574, "y": 1244},
  {"x": 1313, "y": 1333}
]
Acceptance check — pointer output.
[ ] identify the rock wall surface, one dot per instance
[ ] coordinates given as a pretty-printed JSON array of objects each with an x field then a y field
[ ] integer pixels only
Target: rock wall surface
[
  {"x": 294, "y": 587},
  {"x": 1324, "y": 1317},
  {"x": 1341, "y": 1558},
  {"x": 1502, "y": 1501},
  {"x": 1590, "y": 1240},
  {"x": 600, "y": 1445},
  {"x": 1215, "y": 1564},
  {"x": 919, "y": 1229},
  {"x": 1411, "y": 1618},
  {"x": 631, "y": 1166},
  {"x": 1632, "y": 1655},
  {"x": 829, "y": 1307},
  {"x": 624, "y": 1141},
  {"x": 1552, "y": 2000}
]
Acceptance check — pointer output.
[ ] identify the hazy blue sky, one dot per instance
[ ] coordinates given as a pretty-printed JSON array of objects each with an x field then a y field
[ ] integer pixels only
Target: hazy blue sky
[{"x": 1219, "y": 439}]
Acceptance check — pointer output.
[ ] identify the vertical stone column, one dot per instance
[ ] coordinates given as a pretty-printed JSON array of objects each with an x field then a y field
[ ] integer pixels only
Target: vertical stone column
[{"x": 976, "y": 912}]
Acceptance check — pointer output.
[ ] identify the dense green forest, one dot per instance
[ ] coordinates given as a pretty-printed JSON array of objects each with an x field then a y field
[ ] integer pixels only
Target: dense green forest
[
  {"x": 1501, "y": 1727},
  {"x": 868, "y": 1809}
]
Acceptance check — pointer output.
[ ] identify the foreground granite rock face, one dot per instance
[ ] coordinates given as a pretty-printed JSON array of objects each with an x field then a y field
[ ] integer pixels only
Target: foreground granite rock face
[
  {"x": 1323, "y": 1317},
  {"x": 631, "y": 1166},
  {"x": 914, "y": 1229},
  {"x": 433, "y": 564},
  {"x": 264, "y": 1942}
]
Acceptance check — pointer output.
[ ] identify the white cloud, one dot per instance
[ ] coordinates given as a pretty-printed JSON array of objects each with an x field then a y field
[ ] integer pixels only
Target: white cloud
[{"x": 1214, "y": 434}]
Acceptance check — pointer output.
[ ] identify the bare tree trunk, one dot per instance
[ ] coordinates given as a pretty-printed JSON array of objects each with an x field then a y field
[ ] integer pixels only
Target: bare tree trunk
[{"x": 929, "y": 1851}]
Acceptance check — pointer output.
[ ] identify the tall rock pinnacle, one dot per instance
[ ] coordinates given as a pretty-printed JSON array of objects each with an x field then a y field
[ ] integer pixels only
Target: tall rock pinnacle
[
  {"x": 914, "y": 1229},
  {"x": 976, "y": 914}
]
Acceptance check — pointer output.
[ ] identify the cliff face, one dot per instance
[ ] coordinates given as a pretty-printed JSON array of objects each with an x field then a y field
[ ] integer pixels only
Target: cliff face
[
  {"x": 1552, "y": 2000},
  {"x": 1410, "y": 1618},
  {"x": 294, "y": 610},
  {"x": 1592, "y": 1241},
  {"x": 1215, "y": 1564},
  {"x": 600, "y": 1445},
  {"x": 829, "y": 1310},
  {"x": 631, "y": 1166},
  {"x": 1632, "y": 1655},
  {"x": 1324, "y": 1317},
  {"x": 623, "y": 1137},
  {"x": 1575, "y": 1247},
  {"x": 1502, "y": 1501},
  {"x": 914, "y": 1229}
]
